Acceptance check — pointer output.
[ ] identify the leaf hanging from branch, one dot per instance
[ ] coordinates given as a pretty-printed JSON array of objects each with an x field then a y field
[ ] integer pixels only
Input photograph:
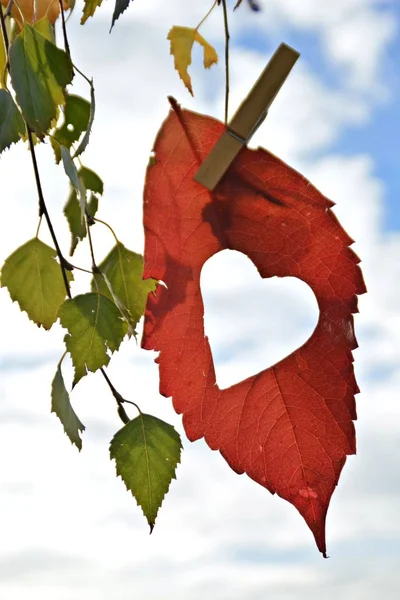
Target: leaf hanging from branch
[
  {"x": 289, "y": 427},
  {"x": 33, "y": 278},
  {"x": 124, "y": 270},
  {"x": 61, "y": 406},
  {"x": 39, "y": 72},
  {"x": 182, "y": 40},
  {"x": 95, "y": 328},
  {"x": 12, "y": 126},
  {"x": 146, "y": 452}
]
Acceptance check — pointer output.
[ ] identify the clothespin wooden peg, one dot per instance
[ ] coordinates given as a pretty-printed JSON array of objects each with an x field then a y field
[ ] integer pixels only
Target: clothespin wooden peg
[{"x": 248, "y": 117}]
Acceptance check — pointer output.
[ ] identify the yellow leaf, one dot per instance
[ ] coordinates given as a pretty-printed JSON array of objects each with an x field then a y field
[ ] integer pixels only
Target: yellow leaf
[
  {"x": 3, "y": 63},
  {"x": 182, "y": 40},
  {"x": 34, "y": 10}
]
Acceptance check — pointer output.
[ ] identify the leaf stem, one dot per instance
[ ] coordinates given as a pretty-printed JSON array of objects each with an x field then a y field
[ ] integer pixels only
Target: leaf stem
[
  {"x": 83, "y": 75},
  {"x": 64, "y": 29},
  {"x": 62, "y": 358},
  {"x": 96, "y": 220},
  {"x": 82, "y": 269},
  {"x": 207, "y": 15},
  {"x": 95, "y": 268},
  {"x": 119, "y": 399},
  {"x": 38, "y": 227},
  {"x": 64, "y": 264},
  {"x": 227, "y": 36}
]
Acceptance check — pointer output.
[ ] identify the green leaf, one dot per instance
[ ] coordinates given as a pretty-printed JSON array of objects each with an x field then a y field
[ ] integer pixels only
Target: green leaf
[
  {"x": 91, "y": 180},
  {"x": 12, "y": 125},
  {"x": 146, "y": 452},
  {"x": 95, "y": 327},
  {"x": 85, "y": 140},
  {"x": 33, "y": 278},
  {"x": 61, "y": 406},
  {"x": 72, "y": 211},
  {"x": 72, "y": 172},
  {"x": 124, "y": 270},
  {"x": 40, "y": 72},
  {"x": 120, "y": 7},
  {"x": 44, "y": 27},
  {"x": 89, "y": 9},
  {"x": 76, "y": 120}
]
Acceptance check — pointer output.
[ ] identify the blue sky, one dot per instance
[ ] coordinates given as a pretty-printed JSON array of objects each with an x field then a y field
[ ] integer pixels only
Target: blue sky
[{"x": 379, "y": 138}]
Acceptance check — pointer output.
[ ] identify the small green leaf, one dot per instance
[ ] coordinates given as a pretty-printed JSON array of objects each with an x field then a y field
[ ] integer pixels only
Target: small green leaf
[
  {"x": 76, "y": 120},
  {"x": 72, "y": 211},
  {"x": 12, "y": 124},
  {"x": 95, "y": 326},
  {"x": 40, "y": 72},
  {"x": 33, "y": 278},
  {"x": 61, "y": 406},
  {"x": 85, "y": 140},
  {"x": 124, "y": 270},
  {"x": 89, "y": 9},
  {"x": 91, "y": 180},
  {"x": 93, "y": 205},
  {"x": 146, "y": 452},
  {"x": 72, "y": 172},
  {"x": 120, "y": 7}
]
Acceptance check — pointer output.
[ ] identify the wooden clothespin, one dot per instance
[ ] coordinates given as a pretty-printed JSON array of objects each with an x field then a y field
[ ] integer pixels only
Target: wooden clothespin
[{"x": 249, "y": 116}]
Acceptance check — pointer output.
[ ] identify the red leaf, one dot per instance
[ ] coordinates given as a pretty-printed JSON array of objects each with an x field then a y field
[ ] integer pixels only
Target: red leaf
[{"x": 289, "y": 427}]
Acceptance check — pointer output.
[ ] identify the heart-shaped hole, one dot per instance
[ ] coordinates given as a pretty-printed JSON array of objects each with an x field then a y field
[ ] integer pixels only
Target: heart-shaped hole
[{"x": 252, "y": 323}]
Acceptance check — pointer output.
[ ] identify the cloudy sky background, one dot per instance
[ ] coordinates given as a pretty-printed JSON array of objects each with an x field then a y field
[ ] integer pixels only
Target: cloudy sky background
[{"x": 68, "y": 528}]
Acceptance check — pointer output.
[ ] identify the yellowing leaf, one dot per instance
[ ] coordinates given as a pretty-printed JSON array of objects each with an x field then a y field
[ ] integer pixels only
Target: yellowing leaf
[
  {"x": 89, "y": 9},
  {"x": 182, "y": 40},
  {"x": 3, "y": 62},
  {"x": 31, "y": 11},
  {"x": 33, "y": 278}
]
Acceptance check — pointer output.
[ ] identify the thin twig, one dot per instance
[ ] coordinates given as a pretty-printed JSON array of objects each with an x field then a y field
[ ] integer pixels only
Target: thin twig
[
  {"x": 4, "y": 31},
  {"x": 120, "y": 400},
  {"x": 82, "y": 269},
  {"x": 64, "y": 264},
  {"x": 64, "y": 29},
  {"x": 95, "y": 268},
  {"x": 82, "y": 75},
  {"x": 227, "y": 36}
]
